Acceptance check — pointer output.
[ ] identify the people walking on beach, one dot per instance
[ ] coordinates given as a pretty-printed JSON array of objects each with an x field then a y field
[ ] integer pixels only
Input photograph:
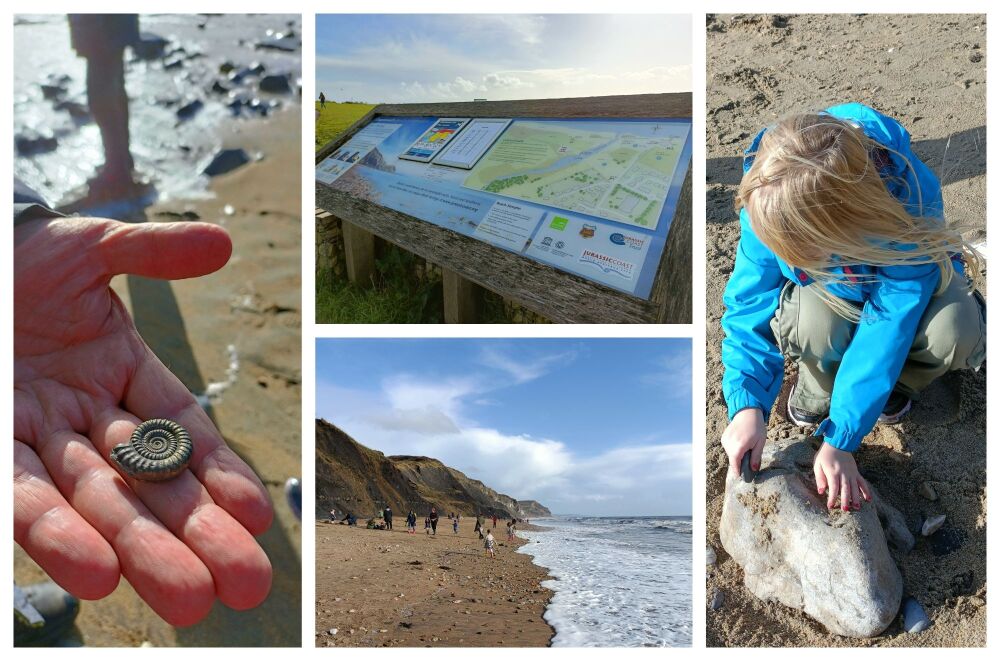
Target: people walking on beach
[
  {"x": 333, "y": 516},
  {"x": 434, "y": 521},
  {"x": 454, "y": 525},
  {"x": 479, "y": 527},
  {"x": 846, "y": 265},
  {"x": 494, "y": 521},
  {"x": 510, "y": 530},
  {"x": 387, "y": 517},
  {"x": 490, "y": 545},
  {"x": 427, "y": 525},
  {"x": 411, "y": 523},
  {"x": 322, "y": 101}
]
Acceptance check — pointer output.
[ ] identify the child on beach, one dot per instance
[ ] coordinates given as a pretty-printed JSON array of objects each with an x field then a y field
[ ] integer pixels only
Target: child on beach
[
  {"x": 845, "y": 265},
  {"x": 427, "y": 525},
  {"x": 490, "y": 545},
  {"x": 411, "y": 523},
  {"x": 454, "y": 525}
]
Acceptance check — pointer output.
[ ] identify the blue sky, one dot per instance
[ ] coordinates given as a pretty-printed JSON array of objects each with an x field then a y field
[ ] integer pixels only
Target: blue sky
[
  {"x": 586, "y": 426},
  {"x": 456, "y": 57}
]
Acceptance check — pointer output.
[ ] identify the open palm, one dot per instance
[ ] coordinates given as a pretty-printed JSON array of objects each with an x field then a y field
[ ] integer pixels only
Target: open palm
[{"x": 83, "y": 380}]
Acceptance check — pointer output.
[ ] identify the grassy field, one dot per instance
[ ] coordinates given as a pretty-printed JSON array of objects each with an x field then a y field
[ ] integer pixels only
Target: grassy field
[{"x": 335, "y": 118}]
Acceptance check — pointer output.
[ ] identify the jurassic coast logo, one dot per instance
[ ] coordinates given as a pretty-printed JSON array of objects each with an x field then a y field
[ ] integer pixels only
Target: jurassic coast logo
[{"x": 608, "y": 264}]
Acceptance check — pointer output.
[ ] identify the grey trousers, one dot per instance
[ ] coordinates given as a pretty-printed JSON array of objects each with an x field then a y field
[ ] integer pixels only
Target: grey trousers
[{"x": 951, "y": 335}]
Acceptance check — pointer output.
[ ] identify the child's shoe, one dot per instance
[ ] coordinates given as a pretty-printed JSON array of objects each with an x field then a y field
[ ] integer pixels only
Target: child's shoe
[
  {"x": 895, "y": 408},
  {"x": 801, "y": 417}
]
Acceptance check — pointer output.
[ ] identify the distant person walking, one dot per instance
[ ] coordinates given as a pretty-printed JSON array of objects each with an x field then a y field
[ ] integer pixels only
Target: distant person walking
[
  {"x": 479, "y": 527},
  {"x": 427, "y": 525},
  {"x": 510, "y": 530},
  {"x": 494, "y": 521},
  {"x": 411, "y": 523},
  {"x": 333, "y": 515},
  {"x": 322, "y": 101},
  {"x": 454, "y": 525},
  {"x": 387, "y": 517},
  {"x": 490, "y": 545},
  {"x": 434, "y": 521}
]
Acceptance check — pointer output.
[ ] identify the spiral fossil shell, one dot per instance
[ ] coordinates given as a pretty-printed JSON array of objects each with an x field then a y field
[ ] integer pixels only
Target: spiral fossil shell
[{"x": 158, "y": 450}]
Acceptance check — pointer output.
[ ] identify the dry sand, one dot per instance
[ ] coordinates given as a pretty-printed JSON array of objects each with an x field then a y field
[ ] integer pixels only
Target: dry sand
[
  {"x": 382, "y": 588},
  {"x": 930, "y": 73},
  {"x": 254, "y": 303}
]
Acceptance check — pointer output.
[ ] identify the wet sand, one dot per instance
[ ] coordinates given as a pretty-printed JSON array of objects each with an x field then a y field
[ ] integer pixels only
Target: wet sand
[
  {"x": 254, "y": 304},
  {"x": 929, "y": 72},
  {"x": 390, "y": 589}
]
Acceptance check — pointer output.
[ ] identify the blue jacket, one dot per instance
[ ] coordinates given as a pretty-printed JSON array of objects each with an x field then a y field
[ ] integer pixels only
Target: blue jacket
[{"x": 892, "y": 301}]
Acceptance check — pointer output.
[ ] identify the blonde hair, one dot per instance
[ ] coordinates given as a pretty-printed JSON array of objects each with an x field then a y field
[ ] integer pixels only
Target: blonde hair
[{"x": 817, "y": 200}]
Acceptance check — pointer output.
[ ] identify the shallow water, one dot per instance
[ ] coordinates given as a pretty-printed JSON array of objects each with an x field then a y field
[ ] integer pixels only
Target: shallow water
[
  {"x": 167, "y": 150},
  {"x": 619, "y": 581}
]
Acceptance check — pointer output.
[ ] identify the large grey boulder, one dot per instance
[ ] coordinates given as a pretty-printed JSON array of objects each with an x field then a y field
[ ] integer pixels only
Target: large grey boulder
[{"x": 833, "y": 565}]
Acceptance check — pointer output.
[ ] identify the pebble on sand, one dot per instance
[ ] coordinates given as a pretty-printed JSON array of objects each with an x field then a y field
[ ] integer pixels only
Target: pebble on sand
[
  {"x": 226, "y": 160},
  {"x": 932, "y": 524},
  {"x": 718, "y": 598},
  {"x": 710, "y": 557},
  {"x": 927, "y": 491},
  {"x": 915, "y": 617}
]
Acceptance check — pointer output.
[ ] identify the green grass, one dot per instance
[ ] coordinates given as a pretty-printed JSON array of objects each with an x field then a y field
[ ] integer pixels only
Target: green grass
[{"x": 336, "y": 118}]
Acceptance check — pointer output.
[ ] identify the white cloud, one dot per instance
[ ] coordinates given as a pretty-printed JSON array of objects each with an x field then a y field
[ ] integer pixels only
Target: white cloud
[
  {"x": 524, "y": 368},
  {"x": 417, "y": 416}
]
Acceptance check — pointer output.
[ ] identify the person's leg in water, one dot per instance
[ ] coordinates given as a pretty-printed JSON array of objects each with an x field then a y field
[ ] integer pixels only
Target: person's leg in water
[
  {"x": 101, "y": 40},
  {"x": 109, "y": 107}
]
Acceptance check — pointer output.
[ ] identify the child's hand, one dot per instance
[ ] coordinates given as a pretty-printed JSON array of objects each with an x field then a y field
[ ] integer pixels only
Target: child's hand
[
  {"x": 837, "y": 472},
  {"x": 746, "y": 432}
]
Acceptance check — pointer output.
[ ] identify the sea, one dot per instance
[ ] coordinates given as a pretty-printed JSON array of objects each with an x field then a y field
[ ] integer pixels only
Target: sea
[{"x": 618, "y": 581}]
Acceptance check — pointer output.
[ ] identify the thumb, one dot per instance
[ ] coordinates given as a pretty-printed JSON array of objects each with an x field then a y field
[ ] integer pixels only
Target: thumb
[{"x": 167, "y": 251}]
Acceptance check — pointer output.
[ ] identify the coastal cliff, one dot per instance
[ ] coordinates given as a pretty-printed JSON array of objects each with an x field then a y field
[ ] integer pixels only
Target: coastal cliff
[{"x": 353, "y": 478}]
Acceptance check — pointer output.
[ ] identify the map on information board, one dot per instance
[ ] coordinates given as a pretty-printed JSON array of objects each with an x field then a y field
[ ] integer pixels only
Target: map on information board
[
  {"x": 593, "y": 197},
  {"x": 620, "y": 175}
]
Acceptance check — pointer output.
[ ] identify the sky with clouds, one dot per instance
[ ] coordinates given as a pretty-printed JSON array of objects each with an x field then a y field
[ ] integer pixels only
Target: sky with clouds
[
  {"x": 411, "y": 58},
  {"x": 585, "y": 426}
]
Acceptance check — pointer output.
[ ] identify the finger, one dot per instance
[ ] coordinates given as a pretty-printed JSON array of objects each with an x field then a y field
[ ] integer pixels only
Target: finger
[
  {"x": 164, "y": 571},
  {"x": 755, "y": 453},
  {"x": 154, "y": 392},
  {"x": 735, "y": 458},
  {"x": 820, "y": 478},
  {"x": 834, "y": 490},
  {"x": 845, "y": 493},
  {"x": 68, "y": 548},
  {"x": 865, "y": 490},
  {"x": 239, "y": 567},
  {"x": 169, "y": 251}
]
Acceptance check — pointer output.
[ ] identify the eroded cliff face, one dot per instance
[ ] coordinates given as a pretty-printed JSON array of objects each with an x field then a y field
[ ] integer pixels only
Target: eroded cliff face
[{"x": 353, "y": 478}]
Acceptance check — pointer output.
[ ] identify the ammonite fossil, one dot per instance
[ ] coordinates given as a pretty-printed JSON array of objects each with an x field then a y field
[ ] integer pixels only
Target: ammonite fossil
[{"x": 158, "y": 450}]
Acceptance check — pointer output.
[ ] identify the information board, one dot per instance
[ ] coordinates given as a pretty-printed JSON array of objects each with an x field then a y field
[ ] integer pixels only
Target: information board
[{"x": 594, "y": 197}]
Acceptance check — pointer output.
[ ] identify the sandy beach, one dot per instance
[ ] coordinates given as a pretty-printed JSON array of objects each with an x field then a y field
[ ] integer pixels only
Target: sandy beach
[
  {"x": 254, "y": 305},
  {"x": 930, "y": 73},
  {"x": 381, "y": 588}
]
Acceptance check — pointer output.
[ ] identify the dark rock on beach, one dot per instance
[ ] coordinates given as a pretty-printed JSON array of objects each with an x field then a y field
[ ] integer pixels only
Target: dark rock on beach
[
  {"x": 150, "y": 46},
  {"x": 33, "y": 142},
  {"x": 226, "y": 160},
  {"x": 190, "y": 109},
  {"x": 275, "y": 84}
]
